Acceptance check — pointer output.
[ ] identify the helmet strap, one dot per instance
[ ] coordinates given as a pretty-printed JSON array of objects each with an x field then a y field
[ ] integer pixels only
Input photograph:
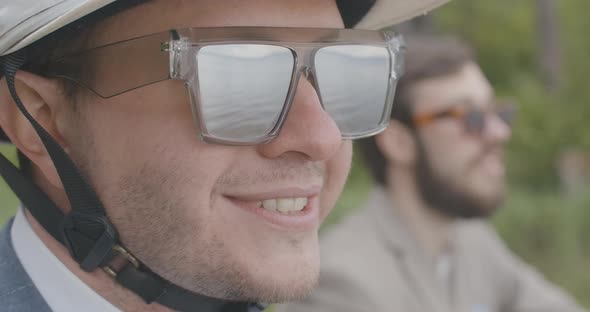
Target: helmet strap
[{"x": 86, "y": 231}]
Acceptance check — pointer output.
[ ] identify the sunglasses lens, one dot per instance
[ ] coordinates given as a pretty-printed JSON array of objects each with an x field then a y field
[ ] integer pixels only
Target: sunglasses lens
[
  {"x": 475, "y": 121},
  {"x": 242, "y": 89},
  {"x": 353, "y": 84}
]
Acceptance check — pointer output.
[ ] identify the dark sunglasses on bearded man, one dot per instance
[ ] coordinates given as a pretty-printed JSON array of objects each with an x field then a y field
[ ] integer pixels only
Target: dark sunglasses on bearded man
[
  {"x": 474, "y": 119},
  {"x": 241, "y": 80}
]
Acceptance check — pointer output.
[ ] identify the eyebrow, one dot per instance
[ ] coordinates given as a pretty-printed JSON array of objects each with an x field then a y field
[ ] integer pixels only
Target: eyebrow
[{"x": 467, "y": 101}]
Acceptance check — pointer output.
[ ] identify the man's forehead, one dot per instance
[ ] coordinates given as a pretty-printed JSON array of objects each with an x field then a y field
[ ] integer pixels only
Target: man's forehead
[
  {"x": 160, "y": 15},
  {"x": 466, "y": 87}
]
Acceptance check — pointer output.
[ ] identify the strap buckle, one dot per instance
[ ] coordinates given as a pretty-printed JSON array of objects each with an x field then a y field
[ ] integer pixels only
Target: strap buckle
[
  {"x": 120, "y": 250},
  {"x": 89, "y": 239}
]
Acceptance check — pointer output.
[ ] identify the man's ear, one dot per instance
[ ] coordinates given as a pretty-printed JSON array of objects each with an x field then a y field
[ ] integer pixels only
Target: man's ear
[
  {"x": 44, "y": 100},
  {"x": 397, "y": 144}
]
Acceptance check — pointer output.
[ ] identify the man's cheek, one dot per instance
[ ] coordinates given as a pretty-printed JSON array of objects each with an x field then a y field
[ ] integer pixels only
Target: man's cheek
[{"x": 336, "y": 175}]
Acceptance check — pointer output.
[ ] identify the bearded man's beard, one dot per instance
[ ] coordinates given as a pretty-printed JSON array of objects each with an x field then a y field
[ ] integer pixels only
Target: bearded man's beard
[{"x": 446, "y": 197}]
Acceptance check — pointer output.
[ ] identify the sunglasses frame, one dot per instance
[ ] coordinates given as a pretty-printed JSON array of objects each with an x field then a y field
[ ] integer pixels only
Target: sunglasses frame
[
  {"x": 460, "y": 113},
  {"x": 172, "y": 55}
]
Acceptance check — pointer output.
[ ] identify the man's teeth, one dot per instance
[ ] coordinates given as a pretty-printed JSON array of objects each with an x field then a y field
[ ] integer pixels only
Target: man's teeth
[{"x": 285, "y": 205}]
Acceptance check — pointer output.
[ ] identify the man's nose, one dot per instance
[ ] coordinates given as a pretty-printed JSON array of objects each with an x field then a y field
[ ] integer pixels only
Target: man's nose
[
  {"x": 497, "y": 130},
  {"x": 307, "y": 130}
]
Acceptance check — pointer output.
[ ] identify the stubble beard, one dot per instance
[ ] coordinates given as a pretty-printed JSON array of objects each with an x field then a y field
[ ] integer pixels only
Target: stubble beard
[{"x": 149, "y": 214}]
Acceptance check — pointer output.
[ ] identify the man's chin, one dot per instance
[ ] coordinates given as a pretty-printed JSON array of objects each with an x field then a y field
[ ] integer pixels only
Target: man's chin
[
  {"x": 286, "y": 286},
  {"x": 483, "y": 207},
  {"x": 492, "y": 206}
]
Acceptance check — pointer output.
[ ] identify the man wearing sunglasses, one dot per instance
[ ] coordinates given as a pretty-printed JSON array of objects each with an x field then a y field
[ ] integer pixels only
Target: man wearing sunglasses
[
  {"x": 180, "y": 155},
  {"x": 421, "y": 243}
]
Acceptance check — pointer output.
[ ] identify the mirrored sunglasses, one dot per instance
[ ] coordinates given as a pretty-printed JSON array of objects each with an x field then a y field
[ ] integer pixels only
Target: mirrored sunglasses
[{"x": 242, "y": 80}]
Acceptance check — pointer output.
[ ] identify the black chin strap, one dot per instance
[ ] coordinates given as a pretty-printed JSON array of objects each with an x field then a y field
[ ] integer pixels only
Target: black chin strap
[{"x": 87, "y": 232}]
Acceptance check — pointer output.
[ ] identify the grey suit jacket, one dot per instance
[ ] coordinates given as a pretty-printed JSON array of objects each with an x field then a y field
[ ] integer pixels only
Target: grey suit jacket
[
  {"x": 17, "y": 291},
  {"x": 372, "y": 263}
]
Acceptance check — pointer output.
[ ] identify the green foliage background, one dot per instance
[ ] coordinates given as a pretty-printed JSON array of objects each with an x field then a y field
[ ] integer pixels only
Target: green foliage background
[
  {"x": 505, "y": 38},
  {"x": 538, "y": 222},
  {"x": 8, "y": 202},
  {"x": 544, "y": 227}
]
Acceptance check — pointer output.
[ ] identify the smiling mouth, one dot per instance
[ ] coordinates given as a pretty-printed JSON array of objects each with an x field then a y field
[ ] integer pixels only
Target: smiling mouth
[
  {"x": 285, "y": 205},
  {"x": 292, "y": 209},
  {"x": 284, "y": 201}
]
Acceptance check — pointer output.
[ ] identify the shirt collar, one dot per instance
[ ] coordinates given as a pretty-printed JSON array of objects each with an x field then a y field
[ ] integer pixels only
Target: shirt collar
[
  {"x": 395, "y": 231},
  {"x": 61, "y": 289}
]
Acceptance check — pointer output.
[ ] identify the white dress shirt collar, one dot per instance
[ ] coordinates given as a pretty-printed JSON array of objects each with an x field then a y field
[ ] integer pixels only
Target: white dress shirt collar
[{"x": 62, "y": 290}]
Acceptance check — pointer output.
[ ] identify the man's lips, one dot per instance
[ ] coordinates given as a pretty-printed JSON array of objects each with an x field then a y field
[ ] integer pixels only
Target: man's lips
[
  {"x": 291, "y": 208},
  {"x": 491, "y": 160},
  {"x": 493, "y": 166},
  {"x": 287, "y": 192}
]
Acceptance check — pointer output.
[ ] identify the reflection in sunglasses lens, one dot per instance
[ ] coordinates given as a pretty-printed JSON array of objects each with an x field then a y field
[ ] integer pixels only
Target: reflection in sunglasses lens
[
  {"x": 475, "y": 121},
  {"x": 243, "y": 88},
  {"x": 353, "y": 83}
]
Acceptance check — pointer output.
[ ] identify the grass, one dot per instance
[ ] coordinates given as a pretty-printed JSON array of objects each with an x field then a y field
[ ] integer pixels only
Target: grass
[
  {"x": 546, "y": 229},
  {"x": 8, "y": 202}
]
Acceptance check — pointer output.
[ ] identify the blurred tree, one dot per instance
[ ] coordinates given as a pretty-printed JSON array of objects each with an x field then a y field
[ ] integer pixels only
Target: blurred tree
[
  {"x": 536, "y": 52},
  {"x": 549, "y": 44},
  {"x": 501, "y": 33}
]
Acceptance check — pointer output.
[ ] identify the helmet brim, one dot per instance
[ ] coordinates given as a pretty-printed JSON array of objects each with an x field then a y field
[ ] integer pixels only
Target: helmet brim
[
  {"x": 26, "y": 21},
  {"x": 386, "y": 13}
]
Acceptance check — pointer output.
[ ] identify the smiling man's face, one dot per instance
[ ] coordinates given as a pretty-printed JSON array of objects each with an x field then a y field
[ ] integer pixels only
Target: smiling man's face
[{"x": 200, "y": 215}]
